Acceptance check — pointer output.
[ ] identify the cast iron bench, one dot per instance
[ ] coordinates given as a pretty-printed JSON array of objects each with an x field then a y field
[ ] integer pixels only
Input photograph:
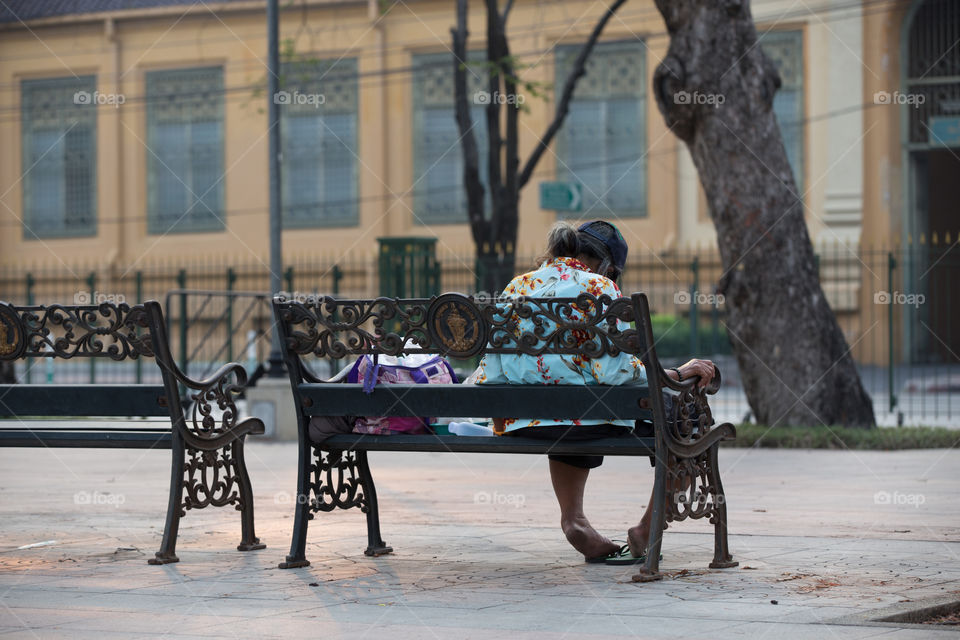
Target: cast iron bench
[
  {"x": 208, "y": 467},
  {"x": 335, "y": 474}
]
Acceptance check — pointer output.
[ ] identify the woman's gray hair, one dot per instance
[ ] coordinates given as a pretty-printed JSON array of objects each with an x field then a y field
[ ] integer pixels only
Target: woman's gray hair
[{"x": 563, "y": 240}]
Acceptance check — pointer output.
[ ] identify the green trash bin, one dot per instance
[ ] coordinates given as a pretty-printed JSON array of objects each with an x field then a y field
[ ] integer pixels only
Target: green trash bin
[{"x": 408, "y": 267}]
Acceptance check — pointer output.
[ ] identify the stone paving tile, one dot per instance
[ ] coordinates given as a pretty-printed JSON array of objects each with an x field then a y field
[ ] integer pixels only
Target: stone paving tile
[
  {"x": 920, "y": 634},
  {"x": 134, "y": 623},
  {"x": 791, "y": 631},
  {"x": 466, "y": 569},
  {"x": 26, "y": 619},
  {"x": 62, "y": 631}
]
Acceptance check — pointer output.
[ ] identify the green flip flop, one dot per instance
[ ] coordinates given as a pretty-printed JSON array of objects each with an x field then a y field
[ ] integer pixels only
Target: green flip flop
[
  {"x": 603, "y": 559},
  {"x": 625, "y": 557}
]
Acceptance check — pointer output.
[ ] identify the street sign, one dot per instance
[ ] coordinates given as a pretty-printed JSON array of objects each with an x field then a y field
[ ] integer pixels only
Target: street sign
[
  {"x": 561, "y": 196},
  {"x": 945, "y": 131}
]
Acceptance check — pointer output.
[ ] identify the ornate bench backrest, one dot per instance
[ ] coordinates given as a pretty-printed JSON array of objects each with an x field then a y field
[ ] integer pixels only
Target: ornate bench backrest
[
  {"x": 459, "y": 326},
  {"x": 114, "y": 331},
  {"x": 121, "y": 332}
]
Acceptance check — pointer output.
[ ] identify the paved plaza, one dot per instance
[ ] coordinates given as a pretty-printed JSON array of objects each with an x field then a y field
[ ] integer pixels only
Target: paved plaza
[{"x": 827, "y": 541}]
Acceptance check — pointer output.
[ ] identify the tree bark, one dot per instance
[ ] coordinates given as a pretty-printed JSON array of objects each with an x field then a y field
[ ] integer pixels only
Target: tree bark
[{"x": 794, "y": 360}]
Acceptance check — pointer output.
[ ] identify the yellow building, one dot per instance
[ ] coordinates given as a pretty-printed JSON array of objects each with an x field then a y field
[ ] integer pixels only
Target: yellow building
[{"x": 135, "y": 137}]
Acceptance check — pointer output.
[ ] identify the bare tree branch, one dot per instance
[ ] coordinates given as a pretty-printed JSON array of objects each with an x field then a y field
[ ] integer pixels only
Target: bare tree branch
[
  {"x": 563, "y": 105},
  {"x": 471, "y": 161},
  {"x": 495, "y": 43},
  {"x": 510, "y": 214},
  {"x": 496, "y": 237},
  {"x": 506, "y": 11}
]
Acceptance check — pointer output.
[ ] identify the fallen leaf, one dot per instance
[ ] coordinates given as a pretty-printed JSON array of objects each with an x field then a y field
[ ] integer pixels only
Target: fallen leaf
[{"x": 795, "y": 576}]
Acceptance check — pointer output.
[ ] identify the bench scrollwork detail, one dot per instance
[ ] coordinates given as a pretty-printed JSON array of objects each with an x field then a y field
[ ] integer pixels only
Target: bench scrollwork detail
[
  {"x": 335, "y": 481},
  {"x": 460, "y": 326},
  {"x": 107, "y": 330}
]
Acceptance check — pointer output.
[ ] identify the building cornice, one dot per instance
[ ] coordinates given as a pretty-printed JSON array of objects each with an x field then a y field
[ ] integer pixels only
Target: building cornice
[{"x": 201, "y": 9}]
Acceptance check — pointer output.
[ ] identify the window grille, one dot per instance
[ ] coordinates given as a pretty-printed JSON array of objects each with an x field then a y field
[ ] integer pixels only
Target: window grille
[
  {"x": 438, "y": 191},
  {"x": 185, "y": 150},
  {"x": 319, "y": 139},
  {"x": 603, "y": 142},
  {"x": 59, "y": 159}
]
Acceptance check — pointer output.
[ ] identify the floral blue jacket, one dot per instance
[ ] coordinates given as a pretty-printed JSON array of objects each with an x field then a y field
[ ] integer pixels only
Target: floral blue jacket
[{"x": 560, "y": 278}]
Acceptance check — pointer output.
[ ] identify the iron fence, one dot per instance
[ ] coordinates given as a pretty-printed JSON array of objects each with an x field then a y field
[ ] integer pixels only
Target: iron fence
[{"x": 895, "y": 306}]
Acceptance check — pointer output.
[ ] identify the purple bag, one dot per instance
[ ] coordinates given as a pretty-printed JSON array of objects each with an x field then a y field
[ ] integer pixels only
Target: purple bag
[{"x": 413, "y": 369}]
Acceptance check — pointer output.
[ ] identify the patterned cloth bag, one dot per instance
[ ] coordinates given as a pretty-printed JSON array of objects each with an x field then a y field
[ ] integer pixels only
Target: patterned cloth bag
[{"x": 411, "y": 369}]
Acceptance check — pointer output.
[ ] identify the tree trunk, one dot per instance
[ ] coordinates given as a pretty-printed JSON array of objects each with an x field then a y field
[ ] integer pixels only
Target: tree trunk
[
  {"x": 715, "y": 90},
  {"x": 494, "y": 271}
]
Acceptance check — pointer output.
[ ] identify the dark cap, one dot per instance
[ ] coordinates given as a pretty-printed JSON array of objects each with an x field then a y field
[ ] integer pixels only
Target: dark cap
[{"x": 610, "y": 236}]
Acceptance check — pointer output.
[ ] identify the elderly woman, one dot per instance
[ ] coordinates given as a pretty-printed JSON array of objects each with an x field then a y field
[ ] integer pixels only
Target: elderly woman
[{"x": 588, "y": 259}]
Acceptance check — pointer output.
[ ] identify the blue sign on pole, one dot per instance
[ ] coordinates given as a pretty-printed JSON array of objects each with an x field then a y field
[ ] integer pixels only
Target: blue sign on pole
[
  {"x": 561, "y": 196},
  {"x": 945, "y": 131}
]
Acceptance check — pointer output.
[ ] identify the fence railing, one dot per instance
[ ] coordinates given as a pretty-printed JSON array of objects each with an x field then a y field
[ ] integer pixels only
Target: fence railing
[{"x": 896, "y": 307}]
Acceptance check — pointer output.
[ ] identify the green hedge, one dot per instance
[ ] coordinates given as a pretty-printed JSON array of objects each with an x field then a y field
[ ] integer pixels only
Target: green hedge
[
  {"x": 672, "y": 335},
  {"x": 884, "y": 438}
]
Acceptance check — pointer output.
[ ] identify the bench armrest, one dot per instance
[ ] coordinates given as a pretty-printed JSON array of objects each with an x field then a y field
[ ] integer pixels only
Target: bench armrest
[
  {"x": 206, "y": 431},
  {"x": 200, "y": 427},
  {"x": 690, "y": 428}
]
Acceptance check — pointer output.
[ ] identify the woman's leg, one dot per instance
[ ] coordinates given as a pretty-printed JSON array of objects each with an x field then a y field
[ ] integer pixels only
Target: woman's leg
[
  {"x": 568, "y": 485},
  {"x": 638, "y": 536}
]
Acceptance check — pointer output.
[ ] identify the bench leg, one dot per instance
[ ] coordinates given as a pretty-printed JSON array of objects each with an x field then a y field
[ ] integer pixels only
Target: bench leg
[
  {"x": 650, "y": 571},
  {"x": 248, "y": 539},
  {"x": 375, "y": 544},
  {"x": 298, "y": 544},
  {"x": 721, "y": 551},
  {"x": 168, "y": 547}
]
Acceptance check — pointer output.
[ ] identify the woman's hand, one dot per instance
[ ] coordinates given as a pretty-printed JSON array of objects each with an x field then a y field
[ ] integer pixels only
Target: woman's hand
[{"x": 702, "y": 368}]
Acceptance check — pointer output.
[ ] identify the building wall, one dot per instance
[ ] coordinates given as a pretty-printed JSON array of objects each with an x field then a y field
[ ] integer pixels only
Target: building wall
[{"x": 119, "y": 49}]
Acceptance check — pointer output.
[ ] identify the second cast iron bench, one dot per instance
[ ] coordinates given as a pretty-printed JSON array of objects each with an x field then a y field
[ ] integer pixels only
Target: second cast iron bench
[{"x": 203, "y": 429}]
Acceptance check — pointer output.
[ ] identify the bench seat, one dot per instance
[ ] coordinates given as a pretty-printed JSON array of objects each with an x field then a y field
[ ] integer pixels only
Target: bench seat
[
  {"x": 96, "y": 435},
  {"x": 625, "y": 446},
  {"x": 599, "y": 402}
]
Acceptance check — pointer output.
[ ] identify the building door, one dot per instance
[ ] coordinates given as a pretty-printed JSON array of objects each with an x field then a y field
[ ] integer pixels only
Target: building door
[{"x": 930, "y": 101}]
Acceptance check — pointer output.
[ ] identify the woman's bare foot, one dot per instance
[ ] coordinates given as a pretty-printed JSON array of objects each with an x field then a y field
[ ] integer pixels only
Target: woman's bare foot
[
  {"x": 637, "y": 538},
  {"x": 585, "y": 539}
]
